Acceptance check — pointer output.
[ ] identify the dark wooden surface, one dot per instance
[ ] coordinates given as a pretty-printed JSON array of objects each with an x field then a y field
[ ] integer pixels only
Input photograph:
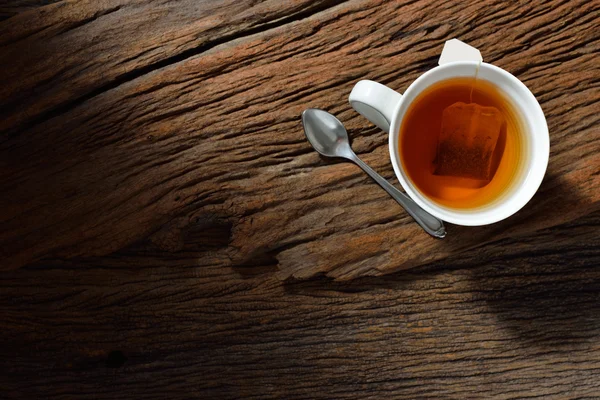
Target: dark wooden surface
[{"x": 158, "y": 202}]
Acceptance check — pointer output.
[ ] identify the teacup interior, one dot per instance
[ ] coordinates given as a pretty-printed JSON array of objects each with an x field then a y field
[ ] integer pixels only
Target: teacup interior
[{"x": 526, "y": 117}]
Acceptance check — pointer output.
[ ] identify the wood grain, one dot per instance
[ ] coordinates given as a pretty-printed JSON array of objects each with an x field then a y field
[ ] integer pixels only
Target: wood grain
[
  {"x": 196, "y": 116},
  {"x": 10, "y": 8},
  {"x": 511, "y": 320},
  {"x": 158, "y": 198}
]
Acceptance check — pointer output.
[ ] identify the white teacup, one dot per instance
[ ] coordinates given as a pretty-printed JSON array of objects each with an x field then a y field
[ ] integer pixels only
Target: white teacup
[{"x": 386, "y": 108}]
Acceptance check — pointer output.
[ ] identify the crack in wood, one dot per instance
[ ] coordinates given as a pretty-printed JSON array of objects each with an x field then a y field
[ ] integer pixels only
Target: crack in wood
[{"x": 166, "y": 62}]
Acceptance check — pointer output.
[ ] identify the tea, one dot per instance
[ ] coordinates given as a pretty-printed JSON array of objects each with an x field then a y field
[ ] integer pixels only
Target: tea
[{"x": 443, "y": 162}]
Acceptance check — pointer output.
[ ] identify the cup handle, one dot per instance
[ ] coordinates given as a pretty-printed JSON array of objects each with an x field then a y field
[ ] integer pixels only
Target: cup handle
[{"x": 375, "y": 102}]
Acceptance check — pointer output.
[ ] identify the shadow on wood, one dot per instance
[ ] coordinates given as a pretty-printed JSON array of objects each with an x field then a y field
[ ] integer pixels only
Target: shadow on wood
[{"x": 523, "y": 284}]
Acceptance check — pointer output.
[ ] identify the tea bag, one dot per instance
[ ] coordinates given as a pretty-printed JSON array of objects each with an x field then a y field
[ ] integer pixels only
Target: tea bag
[{"x": 467, "y": 141}]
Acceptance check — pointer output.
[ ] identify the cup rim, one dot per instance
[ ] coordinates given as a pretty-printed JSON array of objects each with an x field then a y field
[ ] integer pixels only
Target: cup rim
[{"x": 533, "y": 176}]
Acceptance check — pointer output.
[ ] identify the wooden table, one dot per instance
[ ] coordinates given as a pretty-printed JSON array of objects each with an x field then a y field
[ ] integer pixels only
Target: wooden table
[{"x": 167, "y": 232}]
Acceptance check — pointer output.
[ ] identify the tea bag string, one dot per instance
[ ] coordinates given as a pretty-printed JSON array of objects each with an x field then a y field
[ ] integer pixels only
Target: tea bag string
[{"x": 474, "y": 80}]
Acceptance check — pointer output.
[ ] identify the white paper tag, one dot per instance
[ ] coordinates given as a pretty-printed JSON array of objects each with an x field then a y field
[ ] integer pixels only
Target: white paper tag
[{"x": 455, "y": 50}]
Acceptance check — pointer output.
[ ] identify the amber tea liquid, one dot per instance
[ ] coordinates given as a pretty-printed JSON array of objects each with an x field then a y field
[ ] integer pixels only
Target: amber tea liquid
[{"x": 420, "y": 130}]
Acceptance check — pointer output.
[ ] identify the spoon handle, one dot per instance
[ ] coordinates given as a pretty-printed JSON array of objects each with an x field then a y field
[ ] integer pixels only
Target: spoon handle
[{"x": 428, "y": 222}]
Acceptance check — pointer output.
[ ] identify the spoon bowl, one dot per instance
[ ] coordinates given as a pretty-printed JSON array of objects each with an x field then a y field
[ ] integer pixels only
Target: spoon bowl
[{"x": 326, "y": 133}]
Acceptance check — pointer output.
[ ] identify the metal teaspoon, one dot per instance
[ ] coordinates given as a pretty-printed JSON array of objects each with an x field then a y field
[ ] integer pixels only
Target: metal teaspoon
[{"x": 329, "y": 137}]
